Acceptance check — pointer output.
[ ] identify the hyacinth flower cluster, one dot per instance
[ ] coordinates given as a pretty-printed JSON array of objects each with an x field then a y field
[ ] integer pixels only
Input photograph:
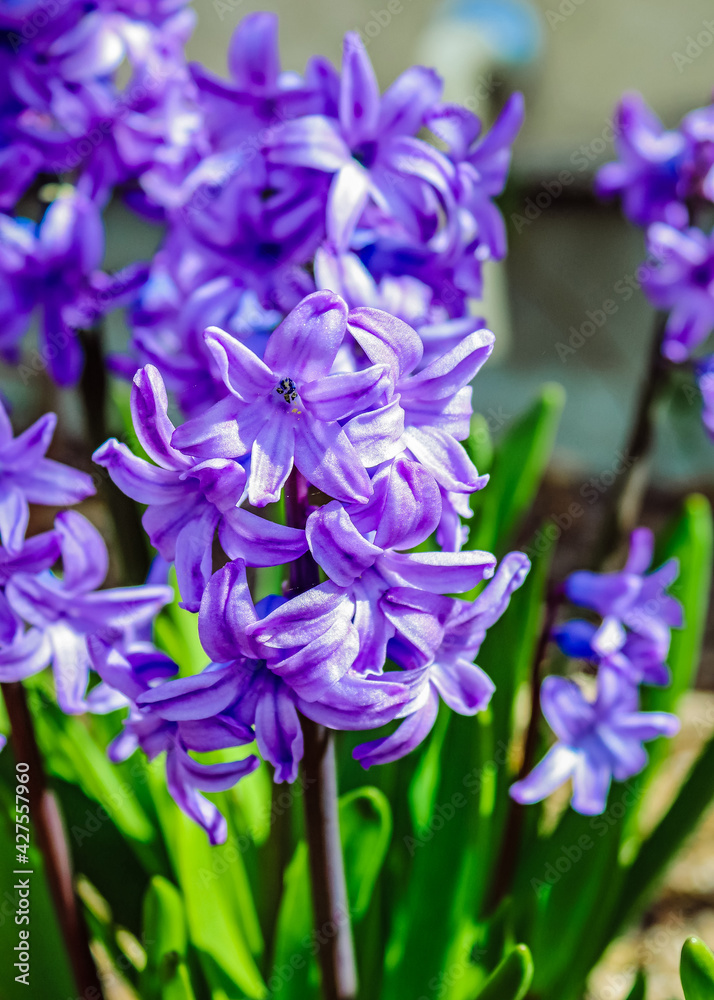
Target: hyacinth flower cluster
[
  {"x": 366, "y": 633},
  {"x": 665, "y": 180},
  {"x": 600, "y": 737}
]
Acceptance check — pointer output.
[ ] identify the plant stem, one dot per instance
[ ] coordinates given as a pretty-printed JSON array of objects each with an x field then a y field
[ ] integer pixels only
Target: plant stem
[
  {"x": 510, "y": 845},
  {"x": 124, "y": 512},
  {"x": 624, "y": 501},
  {"x": 333, "y": 926},
  {"x": 52, "y": 842}
]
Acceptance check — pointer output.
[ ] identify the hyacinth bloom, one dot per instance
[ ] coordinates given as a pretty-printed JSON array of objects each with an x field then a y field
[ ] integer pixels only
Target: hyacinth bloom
[
  {"x": 436, "y": 401},
  {"x": 362, "y": 551},
  {"x": 61, "y": 256},
  {"x": 269, "y": 661},
  {"x": 284, "y": 409},
  {"x": 683, "y": 284},
  {"x": 28, "y": 477},
  {"x": 67, "y": 609},
  {"x": 596, "y": 740},
  {"x": 142, "y": 669},
  {"x": 641, "y": 658},
  {"x": 633, "y": 597},
  {"x": 482, "y": 164},
  {"x": 189, "y": 500},
  {"x": 453, "y": 675},
  {"x": 370, "y": 148},
  {"x": 649, "y": 175}
]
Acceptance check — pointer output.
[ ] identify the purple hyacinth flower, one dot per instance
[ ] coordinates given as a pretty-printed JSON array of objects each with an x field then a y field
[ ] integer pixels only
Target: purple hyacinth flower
[
  {"x": 683, "y": 284},
  {"x": 633, "y": 597},
  {"x": 453, "y": 675},
  {"x": 370, "y": 148},
  {"x": 262, "y": 687},
  {"x": 61, "y": 256},
  {"x": 143, "y": 669},
  {"x": 189, "y": 499},
  {"x": 28, "y": 477},
  {"x": 436, "y": 402},
  {"x": 285, "y": 409},
  {"x": 640, "y": 658},
  {"x": 68, "y": 609},
  {"x": 649, "y": 175},
  {"x": 364, "y": 552},
  {"x": 597, "y": 740}
]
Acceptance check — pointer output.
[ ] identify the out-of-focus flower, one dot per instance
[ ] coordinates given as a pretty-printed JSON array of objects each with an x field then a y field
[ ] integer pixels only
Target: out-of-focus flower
[
  {"x": 682, "y": 284},
  {"x": 597, "y": 740},
  {"x": 28, "y": 477}
]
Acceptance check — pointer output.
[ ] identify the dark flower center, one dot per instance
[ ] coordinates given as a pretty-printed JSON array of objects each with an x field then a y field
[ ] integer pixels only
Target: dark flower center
[
  {"x": 287, "y": 388},
  {"x": 365, "y": 153}
]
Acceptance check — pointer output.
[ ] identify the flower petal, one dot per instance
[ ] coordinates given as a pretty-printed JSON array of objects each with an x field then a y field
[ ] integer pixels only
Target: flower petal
[{"x": 304, "y": 346}]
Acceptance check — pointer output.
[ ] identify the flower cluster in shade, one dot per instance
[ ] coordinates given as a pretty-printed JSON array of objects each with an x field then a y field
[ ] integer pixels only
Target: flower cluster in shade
[
  {"x": 339, "y": 401},
  {"x": 665, "y": 180},
  {"x": 601, "y": 736}
]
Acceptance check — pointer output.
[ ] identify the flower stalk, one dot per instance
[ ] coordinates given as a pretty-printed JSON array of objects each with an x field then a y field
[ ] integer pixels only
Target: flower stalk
[{"x": 333, "y": 925}]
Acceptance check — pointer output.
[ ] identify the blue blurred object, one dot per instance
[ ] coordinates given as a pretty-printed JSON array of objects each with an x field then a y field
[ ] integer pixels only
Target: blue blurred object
[{"x": 511, "y": 28}]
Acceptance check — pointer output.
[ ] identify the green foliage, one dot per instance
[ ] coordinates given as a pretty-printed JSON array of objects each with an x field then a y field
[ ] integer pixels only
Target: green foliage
[
  {"x": 511, "y": 979},
  {"x": 697, "y": 970}
]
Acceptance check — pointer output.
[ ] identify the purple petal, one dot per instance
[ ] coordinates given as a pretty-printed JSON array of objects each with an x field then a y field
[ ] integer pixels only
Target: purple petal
[
  {"x": 136, "y": 477},
  {"x": 304, "y": 346},
  {"x": 149, "y": 409},
  {"x": 357, "y": 703},
  {"x": 314, "y": 668},
  {"x": 345, "y": 203},
  {"x": 271, "y": 459},
  {"x": 337, "y": 546},
  {"x": 557, "y": 766},
  {"x": 310, "y": 141},
  {"x": 50, "y": 482},
  {"x": 194, "y": 805},
  {"x": 437, "y": 572},
  {"x": 376, "y": 436},
  {"x": 451, "y": 372},
  {"x": 222, "y": 482},
  {"x": 258, "y": 541},
  {"x": 566, "y": 710},
  {"x": 409, "y": 505},
  {"x": 445, "y": 459},
  {"x": 326, "y": 458},
  {"x": 194, "y": 557},
  {"x": 406, "y": 101},
  {"x": 465, "y": 687},
  {"x": 226, "y": 614},
  {"x": 301, "y": 619},
  {"x": 242, "y": 371},
  {"x": 70, "y": 665},
  {"x": 278, "y": 731},
  {"x": 386, "y": 340},
  {"x": 14, "y": 518},
  {"x": 198, "y": 697},
  {"x": 410, "y": 733},
  {"x": 641, "y": 551},
  {"x": 359, "y": 92},
  {"x": 591, "y": 783},
  {"x": 226, "y": 430},
  {"x": 338, "y": 396},
  {"x": 85, "y": 560},
  {"x": 253, "y": 59},
  {"x": 25, "y": 657}
]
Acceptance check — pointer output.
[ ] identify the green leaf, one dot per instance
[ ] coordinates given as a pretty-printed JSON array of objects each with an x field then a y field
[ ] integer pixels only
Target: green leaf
[
  {"x": 366, "y": 829},
  {"x": 294, "y": 967},
  {"x": 519, "y": 465},
  {"x": 697, "y": 970},
  {"x": 165, "y": 936},
  {"x": 207, "y": 876},
  {"x": 511, "y": 980},
  {"x": 639, "y": 987},
  {"x": 691, "y": 542}
]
